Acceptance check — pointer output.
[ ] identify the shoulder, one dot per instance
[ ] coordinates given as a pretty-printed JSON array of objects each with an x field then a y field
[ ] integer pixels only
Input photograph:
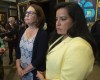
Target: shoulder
[
  {"x": 80, "y": 43},
  {"x": 20, "y": 33},
  {"x": 42, "y": 32},
  {"x": 41, "y": 35},
  {"x": 79, "y": 47}
]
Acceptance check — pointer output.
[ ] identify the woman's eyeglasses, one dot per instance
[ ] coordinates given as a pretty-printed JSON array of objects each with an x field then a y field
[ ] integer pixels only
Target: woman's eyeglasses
[{"x": 29, "y": 13}]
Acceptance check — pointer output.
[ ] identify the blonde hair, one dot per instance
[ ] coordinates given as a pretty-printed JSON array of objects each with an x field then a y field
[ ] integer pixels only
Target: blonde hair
[{"x": 11, "y": 19}]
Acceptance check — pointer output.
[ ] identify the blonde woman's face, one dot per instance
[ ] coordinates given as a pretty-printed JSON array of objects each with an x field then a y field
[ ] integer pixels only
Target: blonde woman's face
[
  {"x": 30, "y": 16},
  {"x": 63, "y": 21}
]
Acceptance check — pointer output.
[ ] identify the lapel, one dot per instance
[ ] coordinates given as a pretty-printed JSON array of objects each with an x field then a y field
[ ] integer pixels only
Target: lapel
[{"x": 60, "y": 45}]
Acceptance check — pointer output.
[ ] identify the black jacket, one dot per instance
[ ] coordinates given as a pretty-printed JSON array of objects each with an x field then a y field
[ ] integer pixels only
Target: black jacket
[{"x": 40, "y": 49}]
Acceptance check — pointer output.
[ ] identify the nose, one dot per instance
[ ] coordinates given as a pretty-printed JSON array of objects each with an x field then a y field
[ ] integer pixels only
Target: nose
[
  {"x": 58, "y": 23},
  {"x": 26, "y": 15}
]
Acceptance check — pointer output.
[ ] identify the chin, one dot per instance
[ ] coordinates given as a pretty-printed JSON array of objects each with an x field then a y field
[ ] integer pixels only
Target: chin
[
  {"x": 27, "y": 23},
  {"x": 58, "y": 32}
]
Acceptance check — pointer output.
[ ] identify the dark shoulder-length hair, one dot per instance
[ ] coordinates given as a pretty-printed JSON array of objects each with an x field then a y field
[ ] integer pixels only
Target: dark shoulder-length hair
[
  {"x": 40, "y": 14},
  {"x": 79, "y": 27}
]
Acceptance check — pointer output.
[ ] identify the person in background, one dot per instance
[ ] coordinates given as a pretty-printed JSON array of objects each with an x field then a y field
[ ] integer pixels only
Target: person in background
[
  {"x": 71, "y": 56},
  {"x": 33, "y": 44},
  {"x": 11, "y": 37},
  {"x": 2, "y": 51},
  {"x": 95, "y": 30}
]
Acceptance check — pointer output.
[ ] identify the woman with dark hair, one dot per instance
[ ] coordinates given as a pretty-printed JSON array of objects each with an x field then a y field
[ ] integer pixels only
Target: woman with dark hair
[
  {"x": 33, "y": 44},
  {"x": 70, "y": 57}
]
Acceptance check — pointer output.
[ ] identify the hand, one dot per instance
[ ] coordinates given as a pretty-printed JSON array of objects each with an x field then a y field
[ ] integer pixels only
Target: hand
[
  {"x": 6, "y": 38},
  {"x": 40, "y": 75},
  {"x": 24, "y": 71},
  {"x": 2, "y": 50},
  {"x": 20, "y": 71}
]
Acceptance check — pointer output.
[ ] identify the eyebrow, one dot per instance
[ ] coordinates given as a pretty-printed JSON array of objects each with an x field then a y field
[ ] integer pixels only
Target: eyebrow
[
  {"x": 30, "y": 11},
  {"x": 62, "y": 17}
]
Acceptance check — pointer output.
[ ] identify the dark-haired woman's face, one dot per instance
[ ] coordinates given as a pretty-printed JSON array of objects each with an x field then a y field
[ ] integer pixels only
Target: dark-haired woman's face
[{"x": 63, "y": 21}]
